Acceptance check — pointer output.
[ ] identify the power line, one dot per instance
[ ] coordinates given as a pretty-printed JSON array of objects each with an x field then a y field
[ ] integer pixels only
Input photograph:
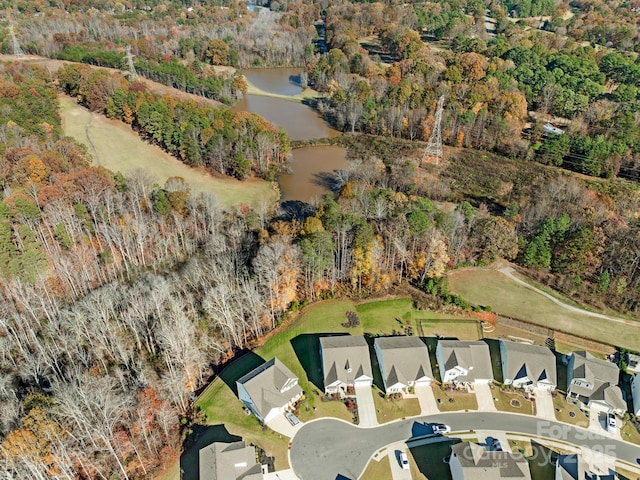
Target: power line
[
  {"x": 434, "y": 146},
  {"x": 132, "y": 69}
]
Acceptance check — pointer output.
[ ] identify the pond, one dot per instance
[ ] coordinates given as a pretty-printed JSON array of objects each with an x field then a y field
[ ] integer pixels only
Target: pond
[{"x": 311, "y": 167}]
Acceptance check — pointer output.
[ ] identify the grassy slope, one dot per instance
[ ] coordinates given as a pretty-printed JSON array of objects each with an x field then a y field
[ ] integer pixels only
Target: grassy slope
[
  {"x": 492, "y": 288},
  {"x": 120, "y": 149}
]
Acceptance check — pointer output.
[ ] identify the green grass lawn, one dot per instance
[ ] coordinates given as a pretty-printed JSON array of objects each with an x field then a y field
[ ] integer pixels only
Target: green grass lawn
[
  {"x": 568, "y": 413},
  {"x": 377, "y": 470},
  {"x": 132, "y": 153},
  {"x": 452, "y": 400},
  {"x": 488, "y": 287},
  {"x": 391, "y": 409},
  {"x": 504, "y": 402}
]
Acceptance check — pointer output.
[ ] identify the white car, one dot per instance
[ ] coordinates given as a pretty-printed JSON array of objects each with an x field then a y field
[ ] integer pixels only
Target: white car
[
  {"x": 441, "y": 428},
  {"x": 611, "y": 422},
  {"x": 404, "y": 461}
]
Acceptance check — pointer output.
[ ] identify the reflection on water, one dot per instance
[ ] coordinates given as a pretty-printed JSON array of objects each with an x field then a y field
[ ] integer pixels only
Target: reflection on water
[
  {"x": 312, "y": 172},
  {"x": 283, "y": 81},
  {"x": 300, "y": 121},
  {"x": 312, "y": 167}
]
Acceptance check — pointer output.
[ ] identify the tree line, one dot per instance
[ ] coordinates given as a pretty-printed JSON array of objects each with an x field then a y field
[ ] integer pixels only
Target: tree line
[{"x": 201, "y": 135}]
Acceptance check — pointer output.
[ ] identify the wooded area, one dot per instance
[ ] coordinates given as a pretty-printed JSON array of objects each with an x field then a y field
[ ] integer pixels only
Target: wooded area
[{"x": 121, "y": 295}]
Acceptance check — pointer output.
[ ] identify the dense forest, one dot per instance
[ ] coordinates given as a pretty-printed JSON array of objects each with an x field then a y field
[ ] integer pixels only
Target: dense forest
[{"x": 120, "y": 295}]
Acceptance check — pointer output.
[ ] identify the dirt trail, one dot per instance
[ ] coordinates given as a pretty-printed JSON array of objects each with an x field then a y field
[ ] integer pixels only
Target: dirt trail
[{"x": 508, "y": 271}]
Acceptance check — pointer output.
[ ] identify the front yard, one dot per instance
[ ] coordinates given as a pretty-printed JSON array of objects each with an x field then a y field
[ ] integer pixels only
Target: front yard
[
  {"x": 511, "y": 401},
  {"x": 450, "y": 400},
  {"x": 394, "y": 407}
]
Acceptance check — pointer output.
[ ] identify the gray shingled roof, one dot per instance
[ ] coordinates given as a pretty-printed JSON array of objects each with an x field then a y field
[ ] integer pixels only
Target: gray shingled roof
[
  {"x": 480, "y": 464},
  {"x": 265, "y": 386},
  {"x": 595, "y": 372},
  {"x": 343, "y": 353},
  {"x": 466, "y": 355},
  {"x": 405, "y": 359},
  {"x": 532, "y": 361},
  {"x": 229, "y": 461}
]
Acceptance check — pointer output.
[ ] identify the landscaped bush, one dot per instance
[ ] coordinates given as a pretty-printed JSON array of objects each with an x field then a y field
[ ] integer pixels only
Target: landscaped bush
[{"x": 353, "y": 320}]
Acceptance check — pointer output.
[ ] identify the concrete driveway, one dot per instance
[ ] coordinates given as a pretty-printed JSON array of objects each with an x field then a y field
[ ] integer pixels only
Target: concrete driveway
[
  {"x": 598, "y": 424},
  {"x": 544, "y": 404},
  {"x": 366, "y": 407},
  {"x": 281, "y": 425},
  {"x": 397, "y": 472},
  {"x": 484, "y": 397},
  {"x": 427, "y": 399},
  {"x": 323, "y": 449}
]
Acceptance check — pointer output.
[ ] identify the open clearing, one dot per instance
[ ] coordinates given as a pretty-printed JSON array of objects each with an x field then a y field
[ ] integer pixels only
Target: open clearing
[
  {"x": 507, "y": 297},
  {"x": 119, "y": 148}
]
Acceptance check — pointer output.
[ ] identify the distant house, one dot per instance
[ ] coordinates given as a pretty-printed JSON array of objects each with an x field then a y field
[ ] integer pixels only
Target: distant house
[
  {"x": 528, "y": 366},
  {"x": 404, "y": 362},
  {"x": 573, "y": 467},
  {"x": 464, "y": 362},
  {"x": 229, "y": 461},
  {"x": 345, "y": 362},
  {"x": 470, "y": 461},
  {"x": 633, "y": 363},
  {"x": 593, "y": 383},
  {"x": 269, "y": 390},
  {"x": 635, "y": 393}
]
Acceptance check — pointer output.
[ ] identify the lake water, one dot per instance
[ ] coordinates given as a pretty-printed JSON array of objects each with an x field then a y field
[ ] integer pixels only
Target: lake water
[{"x": 310, "y": 166}]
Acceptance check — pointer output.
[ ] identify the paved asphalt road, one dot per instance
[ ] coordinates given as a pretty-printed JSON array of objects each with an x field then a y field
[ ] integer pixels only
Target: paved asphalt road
[{"x": 326, "y": 448}]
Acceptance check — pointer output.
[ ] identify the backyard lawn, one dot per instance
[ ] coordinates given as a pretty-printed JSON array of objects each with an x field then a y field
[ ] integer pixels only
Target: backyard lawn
[{"x": 505, "y": 296}]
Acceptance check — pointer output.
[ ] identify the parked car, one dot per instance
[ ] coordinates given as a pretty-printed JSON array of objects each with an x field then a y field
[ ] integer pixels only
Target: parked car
[
  {"x": 440, "y": 428},
  {"x": 493, "y": 444},
  {"x": 293, "y": 420},
  {"x": 612, "y": 425},
  {"x": 404, "y": 461}
]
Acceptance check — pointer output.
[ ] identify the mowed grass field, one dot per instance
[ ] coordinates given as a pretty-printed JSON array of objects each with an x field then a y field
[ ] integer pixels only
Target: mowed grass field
[
  {"x": 119, "y": 148},
  {"x": 504, "y": 296}
]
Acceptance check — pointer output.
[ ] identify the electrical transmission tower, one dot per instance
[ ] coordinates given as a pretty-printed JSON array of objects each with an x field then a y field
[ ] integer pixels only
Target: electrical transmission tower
[
  {"x": 132, "y": 69},
  {"x": 17, "y": 51},
  {"x": 433, "y": 152}
]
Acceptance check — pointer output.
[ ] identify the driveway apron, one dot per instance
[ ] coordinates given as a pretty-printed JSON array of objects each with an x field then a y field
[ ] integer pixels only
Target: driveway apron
[
  {"x": 484, "y": 397},
  {"x": 366, "y": 407},
  {"x": 544, "y": 404},
  {"x": 427, "y": 399}
]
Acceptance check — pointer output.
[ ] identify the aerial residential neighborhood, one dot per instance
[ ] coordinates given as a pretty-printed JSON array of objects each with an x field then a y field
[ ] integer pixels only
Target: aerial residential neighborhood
[
  {"x": 319, "y": 239},
  {"x": 495, "y": 442}
]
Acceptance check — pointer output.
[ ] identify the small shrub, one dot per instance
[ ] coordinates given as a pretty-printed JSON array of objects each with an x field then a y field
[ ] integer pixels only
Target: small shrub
[{"x": 353, "y": 320}]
